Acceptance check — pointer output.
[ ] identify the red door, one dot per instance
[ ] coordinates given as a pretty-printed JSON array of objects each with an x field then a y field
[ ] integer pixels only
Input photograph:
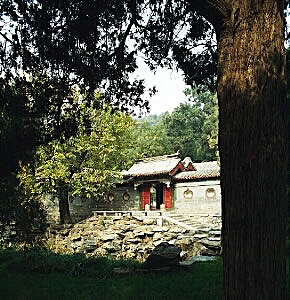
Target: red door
[
  {"x": 167, "y": 197},
  {"x": 145, "y": 196}
]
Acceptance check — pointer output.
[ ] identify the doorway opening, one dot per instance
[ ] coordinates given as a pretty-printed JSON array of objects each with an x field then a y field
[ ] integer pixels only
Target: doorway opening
[{"x": 159, "y": 195}]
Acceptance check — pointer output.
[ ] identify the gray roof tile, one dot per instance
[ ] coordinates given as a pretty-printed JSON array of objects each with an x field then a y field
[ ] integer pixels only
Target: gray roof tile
[{"x": 158, "y": 165}]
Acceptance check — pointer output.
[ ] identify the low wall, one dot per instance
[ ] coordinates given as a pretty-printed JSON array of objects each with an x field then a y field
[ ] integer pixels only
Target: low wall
[
  {"x": 121, "y": 198},
  {"x": 81, "y": 207}
]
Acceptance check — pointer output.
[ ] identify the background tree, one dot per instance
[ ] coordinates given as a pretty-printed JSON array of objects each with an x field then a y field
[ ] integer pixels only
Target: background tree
[
  {"x": 191, "y": 127},
  {"x": 85, "y": 165},
  {"x": 149, "y": 140}
]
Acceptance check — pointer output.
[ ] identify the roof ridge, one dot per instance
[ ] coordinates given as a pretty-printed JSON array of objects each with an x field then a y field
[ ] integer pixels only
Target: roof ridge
[{"x": 156, "y": 158}]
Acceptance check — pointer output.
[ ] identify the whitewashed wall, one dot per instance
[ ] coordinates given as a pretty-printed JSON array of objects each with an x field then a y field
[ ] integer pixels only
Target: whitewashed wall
[
  {"x": 121, "y": 198},
  {"x": 199, "y": 202}
]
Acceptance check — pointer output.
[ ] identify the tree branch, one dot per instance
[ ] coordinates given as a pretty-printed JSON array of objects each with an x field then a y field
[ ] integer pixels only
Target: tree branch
[
  {"x": 6, "y": 38},
  {"x": 121, "y": 46},
  {"x": 215, "y": 11}
]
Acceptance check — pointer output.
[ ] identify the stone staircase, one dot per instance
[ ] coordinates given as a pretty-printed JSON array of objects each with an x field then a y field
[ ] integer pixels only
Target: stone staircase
[{"x": 193, "y": 222}]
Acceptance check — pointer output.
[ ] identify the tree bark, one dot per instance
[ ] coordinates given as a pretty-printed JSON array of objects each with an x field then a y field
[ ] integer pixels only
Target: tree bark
[
  {"x": 64, "y": 213},
  {"x": 253, "y": 149}
]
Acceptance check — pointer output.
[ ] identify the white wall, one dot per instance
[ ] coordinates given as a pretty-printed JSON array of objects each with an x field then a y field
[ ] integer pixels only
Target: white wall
[{"x": 199, "y": 203}]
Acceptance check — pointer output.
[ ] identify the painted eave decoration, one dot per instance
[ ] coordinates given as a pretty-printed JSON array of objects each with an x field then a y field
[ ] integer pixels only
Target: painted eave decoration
[
  {"x": 203, "y": 170},
  {"x": 188, "y": 164}
]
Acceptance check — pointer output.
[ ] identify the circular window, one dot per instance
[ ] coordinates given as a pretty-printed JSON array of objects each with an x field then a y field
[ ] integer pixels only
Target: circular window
[
  {"x": 210, "y": 193},
  {"x": 111, "y": 197},
  {"x": 188, "y": 194},
  {"x": 126, "y": 196}
]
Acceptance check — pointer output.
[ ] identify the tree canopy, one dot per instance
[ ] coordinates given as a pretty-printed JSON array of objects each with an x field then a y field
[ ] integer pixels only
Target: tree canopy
[
  {"x": 86, "y": 164},
  {"x": 191, "y": 129}
]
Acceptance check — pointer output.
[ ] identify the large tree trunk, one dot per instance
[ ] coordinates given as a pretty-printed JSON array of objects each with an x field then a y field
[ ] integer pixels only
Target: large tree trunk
[{"x": 253, "y": 149}]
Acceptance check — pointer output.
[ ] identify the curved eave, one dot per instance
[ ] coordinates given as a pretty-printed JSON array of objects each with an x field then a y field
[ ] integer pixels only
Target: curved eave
[{"x": 196, "y": 178}]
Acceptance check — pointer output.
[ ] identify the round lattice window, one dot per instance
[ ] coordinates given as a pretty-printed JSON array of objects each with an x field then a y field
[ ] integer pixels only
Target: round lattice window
[
  {"x": 188, "y": 194},
  {"x": 126, "y": 196},
  {"x": 111, "y": 197},
  {"x": 210, "y": 193}
]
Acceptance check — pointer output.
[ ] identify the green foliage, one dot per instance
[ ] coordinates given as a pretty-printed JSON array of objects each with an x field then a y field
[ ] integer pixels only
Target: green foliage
[
  {"x": 209, "y": 113},
  {"x": 149, "y": 140},
  {"x": 25, "y": 211},
  {"x": 192, "y": 128},
  {"x": 44, "y": 261},
  {"x": 87, "y": 43},
  {"x": 87, "y": 163},
  {"x": 150, "y": 119}
]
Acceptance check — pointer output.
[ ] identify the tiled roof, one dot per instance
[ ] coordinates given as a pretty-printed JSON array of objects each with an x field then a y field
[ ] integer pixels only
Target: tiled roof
[
  {"x": 158, "y": 165},
  {"x": 204, "y": 170}
]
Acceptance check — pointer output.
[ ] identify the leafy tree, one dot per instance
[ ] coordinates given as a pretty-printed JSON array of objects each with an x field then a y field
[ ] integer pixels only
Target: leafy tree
[
  {"x": 86, "y": 41},
  {"x": 151, "y": 119},
  {"x": 84, "y": 165},
  {"x": 191, "y": 127},
  {"x": 149, "y": 140},
  {"x": 209, "y": 112}
]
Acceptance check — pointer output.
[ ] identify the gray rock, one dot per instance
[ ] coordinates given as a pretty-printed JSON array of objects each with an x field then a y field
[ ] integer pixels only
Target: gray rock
[
  {"x": 140, "y": 229},
  {"x": 159, "y": 229},
  {"x": 163, "y": 255},
  {"x": 149, "y": 233},
  {"x": 197, "y": 259},
  {"x": 172, "y": 242},
  {"x": 148, "y": 221},
  {"x": 218, "y": 239},
  {"x": 134, "y": 241},
  {"x": 177, "y": 230},
  {"x": 157, "y": 236},
  {"x": 77, "y": 238},
  {"x": 90, "y": 245},
  {"x": 140, "y": 234},
  {"x": 214, "y": 233},
  {"x": 210, "y": 244},
  {"x": 108, "y": 237},
  {"x": 200, "y": 236},
  {"x": 129, "y": 235},
  {"x": 203, "y": 230},
  {"x": 112, "y": 246},
  {"x": 156, "y": 243}
]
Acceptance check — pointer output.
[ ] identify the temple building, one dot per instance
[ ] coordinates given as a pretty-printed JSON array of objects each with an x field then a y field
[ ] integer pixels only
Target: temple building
[
  {"x": 167, "y": 182},
  {"x": 155, "y": 183}
]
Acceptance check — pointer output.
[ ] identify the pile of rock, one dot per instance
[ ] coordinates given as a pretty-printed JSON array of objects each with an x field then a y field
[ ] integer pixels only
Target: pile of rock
[{"x": 127, "y": 237}]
